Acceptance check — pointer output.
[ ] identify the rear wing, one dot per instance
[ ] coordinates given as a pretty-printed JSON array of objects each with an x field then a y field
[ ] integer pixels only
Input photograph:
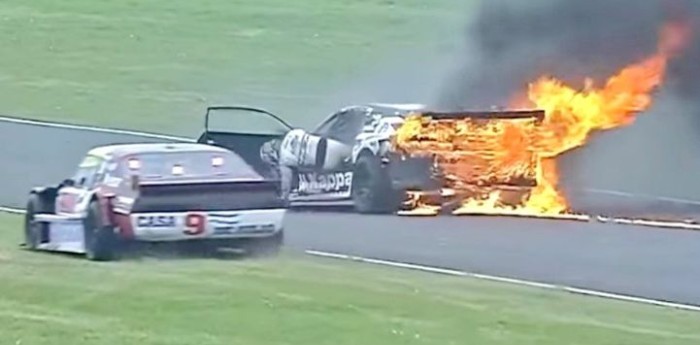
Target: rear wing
[
  {"x": 537, "y": 115},
  {"x": 226, "y": 195}
]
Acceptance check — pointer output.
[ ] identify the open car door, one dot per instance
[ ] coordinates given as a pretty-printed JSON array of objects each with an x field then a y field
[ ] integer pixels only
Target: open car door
[{"x": 245, "y": 131}]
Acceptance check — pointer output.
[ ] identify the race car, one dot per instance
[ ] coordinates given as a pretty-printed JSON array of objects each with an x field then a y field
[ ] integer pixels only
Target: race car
[
  {"x": 156, "y": 192},
  {"x": 351, "y": 158}
]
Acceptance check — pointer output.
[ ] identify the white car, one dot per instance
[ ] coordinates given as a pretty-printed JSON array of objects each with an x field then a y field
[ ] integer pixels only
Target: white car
[
  {"x": 347, "y": 159},
  {"x": 337, "y": 163},
  {"x": 156, "y": 193}
]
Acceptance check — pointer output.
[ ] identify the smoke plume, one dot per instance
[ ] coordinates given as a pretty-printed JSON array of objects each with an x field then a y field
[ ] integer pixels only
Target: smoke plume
[{"x": 513, "y": 42}]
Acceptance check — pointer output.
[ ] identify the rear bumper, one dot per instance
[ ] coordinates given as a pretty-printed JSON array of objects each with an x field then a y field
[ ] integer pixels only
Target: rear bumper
[{"x": 185, "y": 226}]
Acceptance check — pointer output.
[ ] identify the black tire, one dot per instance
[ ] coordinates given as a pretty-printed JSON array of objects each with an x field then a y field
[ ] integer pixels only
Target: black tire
[
  {"x": 100, "y": 240},
  {"x": 266, "y": 246},
  {"x": 34, "y": 232},
  {"x": 372, "y": 190}
]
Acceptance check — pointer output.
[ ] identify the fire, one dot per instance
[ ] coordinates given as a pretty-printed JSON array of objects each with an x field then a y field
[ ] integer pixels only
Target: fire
[
  {"x": 472, "y": 151},
  {"x": 499, "y": 150}
]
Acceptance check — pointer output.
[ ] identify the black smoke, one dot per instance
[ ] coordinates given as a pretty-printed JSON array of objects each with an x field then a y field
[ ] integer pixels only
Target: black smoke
[
  {"x": 509, "y": 43},
  {"x": 512, "y": 42}
]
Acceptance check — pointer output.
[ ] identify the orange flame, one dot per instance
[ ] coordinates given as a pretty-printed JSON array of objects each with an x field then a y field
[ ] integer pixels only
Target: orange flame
[{"x": 570, "y": 117}]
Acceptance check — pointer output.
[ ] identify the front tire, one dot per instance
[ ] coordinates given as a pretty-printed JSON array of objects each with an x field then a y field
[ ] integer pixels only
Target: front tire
[
  {"x": 372, "y": 190},
  {"x": 33, "y": 231},
  {"x": 100, "y": 239}
]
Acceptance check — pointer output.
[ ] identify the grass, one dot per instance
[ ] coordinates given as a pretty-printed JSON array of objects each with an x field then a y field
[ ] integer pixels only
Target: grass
[
  {"x": 156, "y": 64},
  {"x": 55, "y": 299}
]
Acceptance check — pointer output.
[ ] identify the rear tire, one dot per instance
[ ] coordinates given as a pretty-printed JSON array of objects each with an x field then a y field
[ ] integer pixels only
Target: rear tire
[
  {"x": 34, "y": 232},
  {"x": 100, "y": 240},
  {"x": 372, "y": 190}
]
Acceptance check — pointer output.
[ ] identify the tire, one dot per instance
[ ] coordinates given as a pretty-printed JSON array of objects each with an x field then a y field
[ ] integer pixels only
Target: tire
[
  {"x": 372, "y": 190},
  {"x": 34, "y": 232},
  {"x": 266, "y": 246},
  {"x": 100, "y": 240}
]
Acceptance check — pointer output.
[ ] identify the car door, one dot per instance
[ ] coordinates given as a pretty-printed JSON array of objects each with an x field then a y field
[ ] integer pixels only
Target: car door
[{"x": 73, "y": 199}]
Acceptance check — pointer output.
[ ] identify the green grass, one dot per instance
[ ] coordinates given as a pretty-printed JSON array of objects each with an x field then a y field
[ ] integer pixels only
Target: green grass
[
  {"x": 156, "y": 64},
  {"x": 56, "y": 299}
]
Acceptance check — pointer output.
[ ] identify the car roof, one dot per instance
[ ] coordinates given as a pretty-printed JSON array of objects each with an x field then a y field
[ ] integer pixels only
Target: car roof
[
  {"x": 385, "y": 109},
  {"x": 402, "y": 107},
  {"x": 393, "y": 109},
  {"x": 118, "y": 150}
]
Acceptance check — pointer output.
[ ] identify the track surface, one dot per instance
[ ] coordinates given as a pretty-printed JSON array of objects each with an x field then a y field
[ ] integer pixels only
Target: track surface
[{"x": 651, "y": 263}]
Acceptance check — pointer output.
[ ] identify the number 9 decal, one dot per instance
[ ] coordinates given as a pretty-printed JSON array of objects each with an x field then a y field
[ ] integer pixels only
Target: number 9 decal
[{"x": 195, "y": 224}]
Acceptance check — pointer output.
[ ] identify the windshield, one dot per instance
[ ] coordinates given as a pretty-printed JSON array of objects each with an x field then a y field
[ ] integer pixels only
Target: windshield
[
  {"x": 187, "y": 165},
  {"x": 244, "y": 121}
]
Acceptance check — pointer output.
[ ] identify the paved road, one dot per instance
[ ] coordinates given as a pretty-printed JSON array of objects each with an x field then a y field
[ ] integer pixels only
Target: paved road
[{"x": 651, "y": 263}]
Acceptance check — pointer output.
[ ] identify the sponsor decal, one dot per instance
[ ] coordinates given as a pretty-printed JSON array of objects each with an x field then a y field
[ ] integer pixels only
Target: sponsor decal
[
  {"x": 223, "y": 224},
  {"x": 325, "y": 183},
  {"x": 228, "y": 224},
  {"x": 257, "y": 228},
  {"x": 154, "y": 222},
  {"x": 195, "y": 224}
]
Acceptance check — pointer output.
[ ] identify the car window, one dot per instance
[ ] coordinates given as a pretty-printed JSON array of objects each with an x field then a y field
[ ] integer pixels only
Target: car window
[
  {"x": 347, "y": 126},
  {"x": 185, "y": 165},
  {"x": 86, "y": 175},
  {"x": 324, "y": 129}
]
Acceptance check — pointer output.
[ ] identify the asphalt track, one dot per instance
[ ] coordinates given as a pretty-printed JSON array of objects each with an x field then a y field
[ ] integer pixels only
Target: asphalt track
[{"x": 638, "y": 261}]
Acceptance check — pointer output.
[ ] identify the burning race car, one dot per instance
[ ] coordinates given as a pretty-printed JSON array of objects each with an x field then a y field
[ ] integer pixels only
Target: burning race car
[
  {"x": 384, "y": 158},
  {"x": 156, "y": 193},
  {"x": 387, "y": 158}
]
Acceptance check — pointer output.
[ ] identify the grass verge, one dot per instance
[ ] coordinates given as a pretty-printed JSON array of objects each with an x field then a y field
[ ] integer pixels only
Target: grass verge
[
  {"x": 157, "y": 64},
  {"x": 56, "y": 299}
]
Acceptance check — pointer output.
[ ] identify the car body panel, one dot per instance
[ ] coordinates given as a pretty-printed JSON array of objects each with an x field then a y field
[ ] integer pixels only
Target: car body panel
[
  {"x": 317, "y": 166},
  {"x": 143, "y": 180},
  {"x": 321, "y": 159}
]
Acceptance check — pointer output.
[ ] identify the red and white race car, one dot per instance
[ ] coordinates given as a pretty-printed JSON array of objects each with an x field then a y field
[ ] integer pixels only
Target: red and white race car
[{"x": 156, "y": 193}]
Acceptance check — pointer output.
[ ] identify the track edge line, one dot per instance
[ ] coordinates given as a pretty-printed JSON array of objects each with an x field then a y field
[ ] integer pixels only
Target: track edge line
[
  {"x": 69, "y": 126},
  {"x": 515, "y": 281}
]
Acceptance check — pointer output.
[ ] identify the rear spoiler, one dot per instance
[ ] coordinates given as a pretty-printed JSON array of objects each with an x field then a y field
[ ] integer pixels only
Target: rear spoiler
[{"x": 538, "y": 115}]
